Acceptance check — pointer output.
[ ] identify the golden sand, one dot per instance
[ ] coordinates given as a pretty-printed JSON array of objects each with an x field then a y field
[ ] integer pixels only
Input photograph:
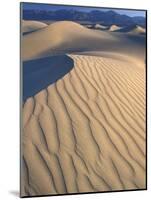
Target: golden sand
[{"x": 86, "y": 132}]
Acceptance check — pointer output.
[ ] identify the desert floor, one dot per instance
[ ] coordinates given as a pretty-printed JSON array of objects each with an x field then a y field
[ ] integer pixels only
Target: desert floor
[{"x": 85, "y": 130}]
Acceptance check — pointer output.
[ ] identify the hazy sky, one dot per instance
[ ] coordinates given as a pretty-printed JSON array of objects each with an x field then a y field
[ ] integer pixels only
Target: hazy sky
[{"x": 84, "y": 9}]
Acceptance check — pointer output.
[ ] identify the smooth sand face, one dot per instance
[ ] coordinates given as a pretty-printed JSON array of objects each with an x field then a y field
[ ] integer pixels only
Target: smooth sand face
[
  {"x": 66, "y": 37},
  {"x": 86, "y": 132},
  {"x": 30, "y": 26},
  {"x": 63, "y": 37}
]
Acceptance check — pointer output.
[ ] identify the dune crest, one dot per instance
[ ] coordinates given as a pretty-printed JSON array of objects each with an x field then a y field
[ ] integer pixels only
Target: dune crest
[
  {"x": 61, "y": 37},
  {"x": 138, "y": 30},
  {"x": 84, "y": 107},
  {"x": 101, "y": 27},
  {"x": 30, "y": 26},
  {"x": 69, "y": 37},
  {"x": 133, "y": 29},
  {"x": 86, "y": 132},
  {"x": 114, "y": 28}
]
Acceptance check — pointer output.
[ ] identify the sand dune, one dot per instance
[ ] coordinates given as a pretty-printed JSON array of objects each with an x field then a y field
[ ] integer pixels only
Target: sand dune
[
  {"x": 88, "y": 26},
  {"x": 114, "y": 28},
  {"x": 133, "y": 29},
  {"x": 68, "y": 37},
  {"x": 138, "y": 30},
  {"x": 62, "y": 37},
  {"x": 30, "y": 26},
  {"x": 85, "y": 132},
  {"x": 101, "y": 27}
]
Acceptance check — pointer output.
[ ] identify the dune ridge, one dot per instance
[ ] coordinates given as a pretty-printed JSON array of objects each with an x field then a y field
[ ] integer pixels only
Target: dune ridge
[
  {"x": 100, "y": 26},
  {"x": 86, "y": 132},
  {"x": 138, "y": 30},
  {"x": 135, "y": 29},
  {"x": 69, "y": 37},
  {"x": 30, "y": 26},
  {"x": 114, "y": 28}
]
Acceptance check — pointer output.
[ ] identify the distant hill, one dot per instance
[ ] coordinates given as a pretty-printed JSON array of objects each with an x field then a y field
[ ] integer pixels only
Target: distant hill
[
  {"x": 105, "y": 18},
  {"x": 139, "y": 20},
  {"x": 133, "y": 29},
  {"x": 114, "y": 28}
]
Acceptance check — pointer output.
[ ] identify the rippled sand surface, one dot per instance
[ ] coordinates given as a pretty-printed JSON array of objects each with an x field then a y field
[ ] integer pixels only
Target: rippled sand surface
[{"x": 86, "y": 131}]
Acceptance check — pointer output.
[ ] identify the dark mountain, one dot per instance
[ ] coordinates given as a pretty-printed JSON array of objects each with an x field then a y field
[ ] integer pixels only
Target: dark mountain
[
  {"x": 140, "y": 20},
  {"x": 106, "y": 18}
]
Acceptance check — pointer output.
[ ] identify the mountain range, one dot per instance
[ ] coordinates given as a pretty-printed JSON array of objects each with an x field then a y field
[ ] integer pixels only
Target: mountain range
[{"x": 105, "y": 18}]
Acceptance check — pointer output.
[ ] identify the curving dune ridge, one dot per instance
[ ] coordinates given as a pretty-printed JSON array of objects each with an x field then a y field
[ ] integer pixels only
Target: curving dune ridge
[
  {"x": 69, "y": 37},
  {"x": 86, "y": 131},
  {"x": 30, "y": 26},
  {"x": 138, "y": 30}
]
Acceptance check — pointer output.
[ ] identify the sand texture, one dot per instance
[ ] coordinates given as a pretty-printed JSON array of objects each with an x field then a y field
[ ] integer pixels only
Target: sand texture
[
  {"x": 30, "y": 26},
  {"x": 86, "y": 131}
]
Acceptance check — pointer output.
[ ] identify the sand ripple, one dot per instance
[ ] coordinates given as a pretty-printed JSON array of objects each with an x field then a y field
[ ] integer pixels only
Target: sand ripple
[{"x": 86, "y": 132}]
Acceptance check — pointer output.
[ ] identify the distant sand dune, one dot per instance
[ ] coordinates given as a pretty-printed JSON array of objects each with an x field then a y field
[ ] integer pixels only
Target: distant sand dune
[
  {"x": 101, "y": 27},
  {"x": 69, "y": 37},
  {"x": 86, "y": 132},
  {"x": 138, "y": 30},
  {"x": 114, "y": 28},
  {"x": 135, "y": 29},
  {"x": 62, "y": 37},
  {"x": 30, "y": 26}
]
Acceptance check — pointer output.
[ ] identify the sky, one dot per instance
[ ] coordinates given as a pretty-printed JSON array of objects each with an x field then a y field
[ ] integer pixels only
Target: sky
[{"x": 52, "y": 7}]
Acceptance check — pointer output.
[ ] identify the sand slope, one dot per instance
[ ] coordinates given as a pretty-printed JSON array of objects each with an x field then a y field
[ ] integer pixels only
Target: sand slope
[
  {"x": 138, "y": 30},
  {"x": 69, "y": 37},
  {"x": 62, "y": 37},
  {"x": 29, "y": 26},
  {"x": 86, "y": 132}
]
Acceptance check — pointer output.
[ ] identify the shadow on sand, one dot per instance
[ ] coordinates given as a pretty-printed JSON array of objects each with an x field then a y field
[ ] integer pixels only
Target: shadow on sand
[{"x": 38, "y": 74}]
